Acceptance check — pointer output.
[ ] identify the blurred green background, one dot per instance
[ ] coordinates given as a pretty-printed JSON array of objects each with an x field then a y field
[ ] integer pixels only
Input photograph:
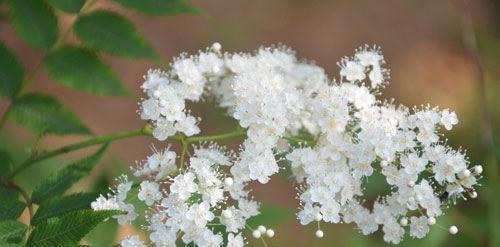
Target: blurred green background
[{"x": 425, "y": 46}]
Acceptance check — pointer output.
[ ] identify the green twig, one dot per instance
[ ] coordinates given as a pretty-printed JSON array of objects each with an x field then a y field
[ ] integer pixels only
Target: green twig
[
  {"x": 5, "y": 115},
  {"x": 230, "y": 135},
  {"x": 26, "y": 198},
  {"x": 79, "y": 145},
  {"x": 145, "y": 131},
  {"x": 183, "y": 153},
  {"x": 298, "y": 140}
]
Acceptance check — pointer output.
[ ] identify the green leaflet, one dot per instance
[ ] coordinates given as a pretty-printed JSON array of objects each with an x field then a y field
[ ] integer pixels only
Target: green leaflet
[
  {"x": 8, "y": 193},
  {"x": 35, "y": 22},
  {"x": 82, "y": 69},
  {"x": 11, "y": 209},
  {"x": 11, "y": 73},
  {"x": 112, "y": 33},
  {"x": 6, "y": 162},
  {"x": 69, "y": 6},
  {"x": 62, "y": 205},
  {"x": 58, "y": 183},
  {"x": 159, "y": 7},
  {"x": 104, "y": 234},
  {"x": 43, "y": 114},
  {"x": 68, "y": 229},
  {"x": 12, "y": 232}
]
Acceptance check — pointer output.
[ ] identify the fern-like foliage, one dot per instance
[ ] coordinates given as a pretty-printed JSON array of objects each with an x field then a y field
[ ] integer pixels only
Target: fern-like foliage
[
  {"x": 58, "y": 183},
  {"x": 62, "y": 205},
  {"x": 68, "y": 229}
]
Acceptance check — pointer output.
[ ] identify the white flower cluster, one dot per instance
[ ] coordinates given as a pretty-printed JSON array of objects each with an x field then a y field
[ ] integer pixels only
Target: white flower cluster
[{"x": 346, "y": 135}]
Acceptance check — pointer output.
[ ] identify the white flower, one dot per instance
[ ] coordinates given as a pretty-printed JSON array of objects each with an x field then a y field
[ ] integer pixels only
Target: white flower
[
  {"x": 187, "y": 71},
  {"x": 330, "y": 211},
  {"x": 132, "y": 241},
  {"x": 150, "y": 110},
  {"x": 161, "y": 159},
  {"x": 235, "y": 241},
  {"x": 200, "y": 214},
  {"x": 124, "y": 219},
  {"x": 413, "y": 164},
  {"x": 149, "y": 192},
  {"x": 393, "y": 232},
  {"x": 368, "y": 57},
  {"x": 103, "y": 203},
  {"x": 419, "y": 226},
  {"x": 248, "y": 208},
  {"x": 184, "y": 185},
  {"x": 188, "y": 126},
  {"x": 308, "y": 214},
  {"x": 163, "y": 237},
  {"x": 334, "y": 134},
  {"x": 353, "y": 71},
  {"x": 448, "y": 119}
]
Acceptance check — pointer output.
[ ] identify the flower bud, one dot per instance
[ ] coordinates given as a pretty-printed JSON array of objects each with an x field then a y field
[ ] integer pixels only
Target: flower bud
[
  {"x": 453, "y": 230},
  {"x": 256, "y": 234},
  {"x": 270, "y": 233},
  {"x": 431, "y": 221}
]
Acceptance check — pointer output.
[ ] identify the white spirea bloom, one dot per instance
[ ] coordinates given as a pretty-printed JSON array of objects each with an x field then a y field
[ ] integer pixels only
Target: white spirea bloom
[
  {"x": 132, "y": 241},
  {"x": 341, "y": 134}
]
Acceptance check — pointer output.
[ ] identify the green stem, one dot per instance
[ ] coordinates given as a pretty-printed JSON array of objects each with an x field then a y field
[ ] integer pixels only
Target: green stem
[
  {"x": 26, "y": 198},
  {"x": 5, "y": 115},
  {"x": 145, "y": 131},
  {"x": 234, "y": 134},
  {"x": 183, "y": 154},
  {"x": 300, "y": 140},
  {"x": 79, "y": 145}
]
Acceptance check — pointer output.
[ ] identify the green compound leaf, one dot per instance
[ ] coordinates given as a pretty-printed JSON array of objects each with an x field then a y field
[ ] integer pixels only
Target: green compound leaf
[
  {"x": 11, "y": 232},
  {"x": 68, "y": 229},
  {"x": 159, "y": 7},
  {"x": 43, "y": 114},
  {"x": 82, "y": 69},
  {"x": 69, "y": 6},
  {"x": 112, "y": 33},
  {"x": 11, "y": 73},
  {"x": 35, "y": 22},
  {"x": 62, "y": 205},
  {"x": 61, "y": 181}
]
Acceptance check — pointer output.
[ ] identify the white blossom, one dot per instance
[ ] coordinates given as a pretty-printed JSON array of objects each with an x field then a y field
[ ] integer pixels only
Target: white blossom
[{"x": 334, "y": 133}]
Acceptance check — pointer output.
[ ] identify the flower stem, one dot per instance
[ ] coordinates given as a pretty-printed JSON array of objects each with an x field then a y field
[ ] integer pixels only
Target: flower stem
[
  {"x": 183, "y": 154},
  {"x": 5, "y": 115},
  {"x": 230, "y": 135},
  {"x": 25, "y": 196},
  {"x": 297, "y": 140},
  {"x": 145, "y": 131},
  {"x": 79, "y": 145}
]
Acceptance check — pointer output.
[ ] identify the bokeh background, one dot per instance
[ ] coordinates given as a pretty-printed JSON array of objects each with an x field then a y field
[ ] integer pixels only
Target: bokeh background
[{"x": 427, "y": 46}]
